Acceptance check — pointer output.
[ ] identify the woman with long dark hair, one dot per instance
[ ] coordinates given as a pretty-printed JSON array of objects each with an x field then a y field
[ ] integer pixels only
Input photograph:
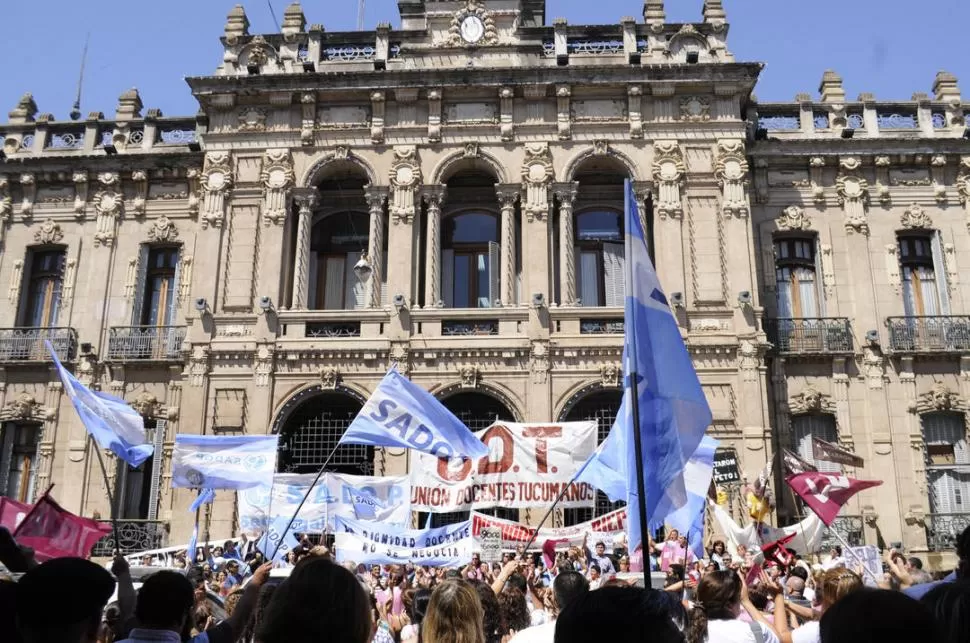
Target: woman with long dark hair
[{"x": 720, "y": 598}]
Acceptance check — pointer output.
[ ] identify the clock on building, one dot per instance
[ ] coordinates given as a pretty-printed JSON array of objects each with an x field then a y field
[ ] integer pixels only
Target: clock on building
[{"x": 472, "y": 29}]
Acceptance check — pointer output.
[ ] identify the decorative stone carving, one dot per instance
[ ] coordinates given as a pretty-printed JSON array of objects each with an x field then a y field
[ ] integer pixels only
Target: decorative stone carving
[
  {"x": 950, "y": 264},
  {"x": 816, "y": 164},
  {"x": 668, "y": 174},
  {"x": 731, "y": 171},
  {"x": 540, "y": 362},
  {"x": 563, "y": 112},
  {"x": 635, "y": 110},
  {"x": 434, "y": 115},
  {"x": 70, "y": 277},
  {"x": 163, "y": 230},
  {"x": 828, "y": 270},
  {"x": 185, "y": 280},
  {"x": 963, "y": 187},
  {"x": 882, "y": 163},
  {"x": 198, "y": 365},
  {"x": 329, "y": 378},
  {"x": 749, "y": 360},
  {"x": 810, "y": 400},
  {"x": 506, "y": 97},
  {"x": 80, "y": 178},
  {"x": 306, "y": 200},
  {"x": 277, "y": 176},
  {"x": 873, "y": 367},
  {"x": 263, "y": 365},
  {"x": 216, "y": 181},
  {"x": 537, "y": 175},
  {"x": 916, "y": 217},
  {"x": 140, "y": 180},
  {"x": 793, "y": 218},
  {"x": 28, "y": 186},
  {"x": 22, "y": 407},
  {"x": 405, "y": 176},
  {"x": 308, "y": 117},
  {"x": 695, "y": 109},
  {"x": 610, "y": 375},
  {"x": 853, "y": 193},
  {"x": 476, "y": 10},
  {"x": 892, "y": 266},
  {"x": 48, "y": 233},
  {"x": 252, "y": 119},
  {"x": 16, "y": 278},
  {"x": 377, "y": 101},
  {"x": 146, "y": 405},
  {"x": 469, "y": 376},
  {"x": 108, "y": 204},
  {"x": 939, "y": 398},
  {"x": 938, "y": 172},
  {"x": 6, "y": 200},
  {"x": 193, "y": 176}
]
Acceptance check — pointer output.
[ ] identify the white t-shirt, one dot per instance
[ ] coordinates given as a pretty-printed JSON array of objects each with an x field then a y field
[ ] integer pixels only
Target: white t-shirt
[
  {"x": 544, "y": 633},
  {"x": 807, "y": 633},
  {"x": 725, "y": 631}
]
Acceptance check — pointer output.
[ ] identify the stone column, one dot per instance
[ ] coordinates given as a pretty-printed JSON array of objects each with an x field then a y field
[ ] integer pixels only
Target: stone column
[
  {"x": 306, "y": 199},
  {"x": 566, "y": 194},
  {"x": 376, "y": 196},
  {"x": 507, "y": 196},
  {"x": 434, "y": 196}
]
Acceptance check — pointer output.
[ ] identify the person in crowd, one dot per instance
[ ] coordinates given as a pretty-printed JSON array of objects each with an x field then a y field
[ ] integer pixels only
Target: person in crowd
[
  {"x": 61, "y": 601},
  {"x": 164, "y": 610},
  {"x": 619, "y": 615},
  {"x": 320, "y": 601},
  {"x": 494, "y": 624},
  {"x": 624, "y": 564},
  {"x": 718, "y": 552},
  {"x": 415, "y": 608},
  {"x": 801, "y": 571},
  {"x": 835, "y": 559},
  {"x": 594, "y": 576},
  {"x": 795, "y": 592},
  {"x": 232, "y": 576},
  {"x": 878, "y": 616},
  {"x": 720, "y": 598},
  {"x": 515, "y": 610},
  {"x": 837, "y": 583},
  {"x": 950, "y": 605},
  {"x": 109, "y": 624},
  {"x": 262, "y": 603},
  {"x": 454, "y": 615},
  {"x": 670, "y": 550},
  {"x": 602, "y": 561},
  {"x": 961, "y": 572}
]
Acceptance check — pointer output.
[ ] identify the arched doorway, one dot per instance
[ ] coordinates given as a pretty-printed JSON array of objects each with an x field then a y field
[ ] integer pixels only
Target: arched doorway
[
  {"x": 311, "y": 424},
  {"x": 477, "y": 411},
  {"x": 600, "y": 405}
]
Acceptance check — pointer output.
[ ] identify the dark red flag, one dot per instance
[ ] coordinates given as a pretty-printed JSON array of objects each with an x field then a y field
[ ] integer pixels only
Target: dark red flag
[
  {"x": 826, "y": 493},
  {"x": 53, "y": 532},
  {"x": 777, "y": 552},
  {"x": 11, "y": 513}
]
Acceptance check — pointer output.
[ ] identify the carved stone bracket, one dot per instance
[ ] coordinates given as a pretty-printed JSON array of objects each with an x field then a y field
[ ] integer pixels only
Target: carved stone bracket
[
  {"x": 882, "y": 179},
  {"x": 308, "y": 117},
  {"x": 377, "y": 101},
  {"x": 537, "y": 176},
  {"x": 853, "y": 192},
  {"x": 25, "y": 407},
  {"x": 963, "y": 187},
  {"x": 108, "y": 204},
  {"x": 793, "y": 218},
  {"x": 938, "y": 174},
  {"x": 263, "y": 361},
  {"x": 563, "y": 112},
  {"x": 731, "y": 172},
  {"x": 506, "y": 96},
  {"x": 635, "y": 110},
  {"x": 916, "y": 218},
  {"x": 476, "y": 9},
  {"x": 939, "y": 398},
  {"x": 434, "y": 115},
  {"x": 139, "y": 179},
  {"x": 873, "y": 367},
  {"x": 193, "y": 175},
  {"x": 470, "y": 376},
  {"x": 216, "y": 181},
  {"x": 49, "y": 232},
  {"x": 892, "y": 266},
  {"x": 405, "y": 175},
  {"x": 669, "y": 171},
  {"x": 329, "y": 377},
  {"x": 163, "y": 230},
  {"x": 750, "y": 360},
  {"x": 816, "y": 166},
  {"x": 610, "y": 375},
  {"x": 28, "y": 187},
  {"x": 6, "y": 200},
  {"x": 540, "y": 362},
  {"x": 810, "y": 400},
  {"x": 80, "y": 178},
  {"x": 276, "y": 177}
]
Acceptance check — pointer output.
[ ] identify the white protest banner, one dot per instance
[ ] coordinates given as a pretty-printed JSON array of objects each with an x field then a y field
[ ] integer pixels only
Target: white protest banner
[
  {"x": 868, "y": 555},
  {"x": 372, "y": 543},
  {"x": 331, "y": 497},
  {"x": 527, "y": 466},
  {"x": 599, "y": 529}
]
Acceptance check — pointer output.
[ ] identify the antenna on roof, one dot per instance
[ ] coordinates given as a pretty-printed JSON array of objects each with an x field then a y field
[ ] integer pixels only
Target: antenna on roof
[
  {"x": 76, "y": 108},
  {"x": 360, "y": 15},
  {"x": 273, "y": 13}
]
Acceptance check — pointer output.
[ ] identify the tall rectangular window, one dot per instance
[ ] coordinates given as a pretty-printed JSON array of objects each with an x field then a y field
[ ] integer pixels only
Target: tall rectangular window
[
  {"x": 160, "y": 274},
  {"x": 795, "y": 273},
  {"x": 920, "y": 262},
  {"x": 44, "y": 280},
  {"x": 947, "y": 462},
  {"x": 820, "y": 425},
  {"x": 18, "y": 461},
  {"x": 137, "y": 488}
]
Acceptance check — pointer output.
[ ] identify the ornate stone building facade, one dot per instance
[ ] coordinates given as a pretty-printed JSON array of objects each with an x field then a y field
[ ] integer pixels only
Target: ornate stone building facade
[{"x": 448, "y": 197}]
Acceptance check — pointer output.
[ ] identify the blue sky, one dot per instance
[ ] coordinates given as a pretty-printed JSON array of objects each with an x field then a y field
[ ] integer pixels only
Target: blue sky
[{"x": 891, "y": 48}]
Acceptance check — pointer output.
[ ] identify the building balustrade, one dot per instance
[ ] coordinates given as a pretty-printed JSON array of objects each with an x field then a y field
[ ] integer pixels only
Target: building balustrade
[
  {"x": 942, "y": 530},
  {"x": 333, "y": 329},
  {"x": 454, "y": 327},
  {"x": 606, "y": 326},
  {"x": 145, "y": 343},
  {"x": 29, "y": 344},
  {"x": 133, "y": 536},
  {"x": 821, "y": 335},
  {"x": 935, "y": 334},
  {"x": 850, "y": 528}
]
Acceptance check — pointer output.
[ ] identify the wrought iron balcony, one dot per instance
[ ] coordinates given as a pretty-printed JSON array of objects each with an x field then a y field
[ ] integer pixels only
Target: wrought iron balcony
[
  {"x": 849, "y": 527},
  {"x": 333, "y": 329},
  {"x": 606, "y": 326},
  {"x": 939, "y": 334},
  {"x": 942, "y": 530},
  {"x": 134, "y": 536},
  {"x": 451, "y": 328},
  {"x": 28, "y": 344},
  {"x": 145, "y": 343},
  {"x": 820, "y": 335}
]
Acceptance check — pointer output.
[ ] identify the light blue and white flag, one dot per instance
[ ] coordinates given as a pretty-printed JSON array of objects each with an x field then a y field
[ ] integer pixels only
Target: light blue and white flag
[
  {"x": 366, "y": 505},
  {"x": 271, "y": 543},
  {"x": 689, "y": 519},
  {"x": 111, "y": 421},
  {"x": 205, "y": 497},
  {"x": 673, "y": 411},
  {"x": 224, "y": 461},
  {"x": 399, "y": 413},
  {"x": 192, "y": 549}
]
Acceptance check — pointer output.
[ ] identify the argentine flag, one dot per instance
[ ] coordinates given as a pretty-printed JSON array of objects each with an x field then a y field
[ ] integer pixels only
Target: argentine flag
[
  {"x": 689, "y": 519},
  {"x": 674, "y": 413}
]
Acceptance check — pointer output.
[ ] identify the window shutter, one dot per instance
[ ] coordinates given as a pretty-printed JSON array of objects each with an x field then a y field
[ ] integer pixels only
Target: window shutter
[
  {"x": 333, "y": 297},
  {"x": 156, "y": 473},
  {"x": 171, "y": 315},
  {"x": 23, "y": 304},
  {"x": 354, "y": 288},
  {"x": 577, "y": 262},
  {"x": 58, "y": 289},
  {"x": 613, "y": 272},
  {"x": 819, "y": 286},
  {"x": 447, "y": 279},
  {"x": 494, "y": 273},
  {"x": 939, "y": 269},
  {"x": 139, "y": 301}
]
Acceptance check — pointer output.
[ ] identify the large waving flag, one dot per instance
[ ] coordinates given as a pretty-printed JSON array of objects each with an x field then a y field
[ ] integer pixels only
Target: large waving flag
[
  {"x": 367, "y": 506},
  {"x": 673, "y": 412},
  {"x": 224, "y": 461},
  {"x": 689, "y": 519},
  {"x": 110, "y": 420},
  {"x": 53, "y": 532},
  {"x": 826, "y": 493},
  {"x": 400, "y": 413}
]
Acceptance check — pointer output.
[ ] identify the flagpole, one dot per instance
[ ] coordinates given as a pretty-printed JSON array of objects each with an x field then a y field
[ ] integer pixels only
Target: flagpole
[
  {"x": 549, "y": 511},
  {"x": 111, "y": 498},
  {"x": 303, "y": 501}
]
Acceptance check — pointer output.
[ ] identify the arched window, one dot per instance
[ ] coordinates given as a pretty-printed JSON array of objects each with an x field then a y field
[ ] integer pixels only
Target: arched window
[
  {"x": 337, "y": 243},
  {"x": 470, "y": 259},
  {"x": 600, "y": 258},
  {"x": 599, "y": 406},
  {"x": 313, "y": 429},
  {"x": 809, "y": 425}
]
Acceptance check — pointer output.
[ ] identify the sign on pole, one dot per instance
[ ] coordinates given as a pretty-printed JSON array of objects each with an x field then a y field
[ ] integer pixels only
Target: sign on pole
[
  {"x": 726, "y": 469},
  {"x": 491, "y": 539}
]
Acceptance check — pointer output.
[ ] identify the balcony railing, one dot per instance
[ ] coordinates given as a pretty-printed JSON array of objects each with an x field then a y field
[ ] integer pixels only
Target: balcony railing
[
  {"x": 134, "y": 536},
  {"x": 605, "y": 326},
  {"x": 451, "y": 328},
  {"x": 849, "y": 527},
  {"x": 938, "y": 334},
  {"x": 145, "y": 343},
  {"x": 332, "y": 330},
  {"x": 28, "y": 344},
  {"x": 810, "y": 335},
  {"x": 942, "y": 530}
]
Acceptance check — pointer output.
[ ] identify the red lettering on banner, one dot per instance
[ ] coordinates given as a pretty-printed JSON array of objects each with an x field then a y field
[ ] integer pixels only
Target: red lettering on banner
[
  {"x": 542, "y": 447},
  {"x": 507, "y": 454}
]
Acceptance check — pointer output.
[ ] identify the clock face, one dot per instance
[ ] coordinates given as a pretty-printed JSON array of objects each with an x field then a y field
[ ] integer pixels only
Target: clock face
[{"x": 472, "y": 29}]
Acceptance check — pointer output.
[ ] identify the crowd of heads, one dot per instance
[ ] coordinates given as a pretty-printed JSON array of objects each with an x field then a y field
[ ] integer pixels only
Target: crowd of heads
[{"x": 572, "y": 600}]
